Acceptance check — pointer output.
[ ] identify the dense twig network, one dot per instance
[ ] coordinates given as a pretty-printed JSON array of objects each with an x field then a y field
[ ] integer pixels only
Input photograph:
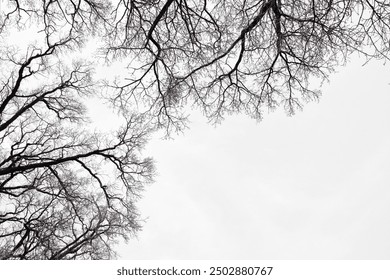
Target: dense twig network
[{"x": 67, "y": 192}]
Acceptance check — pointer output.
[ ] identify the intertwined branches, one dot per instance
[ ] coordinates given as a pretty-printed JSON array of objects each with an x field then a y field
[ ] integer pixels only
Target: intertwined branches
[
  {"x": 239, "y": 56},
  {"x": 67, "y": 192}
]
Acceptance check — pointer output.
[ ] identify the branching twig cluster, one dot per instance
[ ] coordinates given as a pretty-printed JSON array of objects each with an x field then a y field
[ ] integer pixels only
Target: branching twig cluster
[{"x": 67, "y": 192}]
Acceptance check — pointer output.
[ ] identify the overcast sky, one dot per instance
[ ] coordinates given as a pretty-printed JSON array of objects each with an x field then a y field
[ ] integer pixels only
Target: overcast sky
[{"x": 312, "y": 186}]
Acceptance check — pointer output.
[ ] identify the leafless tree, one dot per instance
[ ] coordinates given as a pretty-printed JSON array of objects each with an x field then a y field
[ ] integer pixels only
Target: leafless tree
[
  {"x": 66, "y": 192},
  {"x": 58, "y": 196},
  {"x": 247, "y": 56}
]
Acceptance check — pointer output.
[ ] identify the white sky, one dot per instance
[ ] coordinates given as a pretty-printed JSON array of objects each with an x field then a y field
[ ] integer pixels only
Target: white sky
[{"x": 314, "y": 186}]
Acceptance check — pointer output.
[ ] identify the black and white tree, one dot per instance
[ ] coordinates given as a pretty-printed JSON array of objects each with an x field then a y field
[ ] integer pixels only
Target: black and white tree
[{"x": 68, "y": 192}]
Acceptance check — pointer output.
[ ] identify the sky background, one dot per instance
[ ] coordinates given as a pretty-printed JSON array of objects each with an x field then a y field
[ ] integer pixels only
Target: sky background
[{"x": 312, "y": 186}]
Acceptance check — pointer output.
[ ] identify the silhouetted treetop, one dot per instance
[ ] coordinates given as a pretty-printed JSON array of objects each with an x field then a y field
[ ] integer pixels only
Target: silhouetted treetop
[
  {"x": 68, "y": 191},
  {"x": 239, "y": 56}
]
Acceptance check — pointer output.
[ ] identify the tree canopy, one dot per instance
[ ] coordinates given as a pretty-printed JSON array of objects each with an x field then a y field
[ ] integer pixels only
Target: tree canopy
[{"x": 68, "y": 191}]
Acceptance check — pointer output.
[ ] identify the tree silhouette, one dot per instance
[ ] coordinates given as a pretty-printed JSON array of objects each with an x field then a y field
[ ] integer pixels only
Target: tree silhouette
[
  {"x": 68, "y": 192},
  {"x": 229, "y": 56}
]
